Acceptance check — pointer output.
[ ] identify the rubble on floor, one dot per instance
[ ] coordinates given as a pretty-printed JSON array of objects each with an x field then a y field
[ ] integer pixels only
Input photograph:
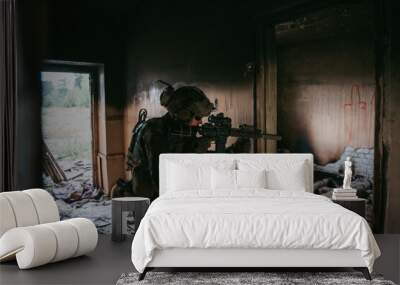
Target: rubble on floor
[
  {"x": 77, "y": 197},
  {"x": 362, "y": 159},
  {"x": 330, "y": 176},
  {"x": 324, "y": 183},
  {"x": 324, "y": 186}
]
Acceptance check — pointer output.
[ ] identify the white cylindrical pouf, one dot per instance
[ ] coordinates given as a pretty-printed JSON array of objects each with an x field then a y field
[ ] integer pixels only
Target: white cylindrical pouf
[
  {"x": 40, "y": 244},
  {"x": 87, "y": 235},
  {"x": 33, "y": 246},
  {"x": 40, "y": 247},
  {"x": 67, "y": 239},
  {"x": 46, "y": 207},
  {"x": 23, "y": 208},
  {"x": 7, "y": 218}
]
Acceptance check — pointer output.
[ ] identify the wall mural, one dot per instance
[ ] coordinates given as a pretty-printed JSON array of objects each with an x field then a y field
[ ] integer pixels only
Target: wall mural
[
  {"x": 326, "y": 88},
  {"x": 67, "y": 139}
]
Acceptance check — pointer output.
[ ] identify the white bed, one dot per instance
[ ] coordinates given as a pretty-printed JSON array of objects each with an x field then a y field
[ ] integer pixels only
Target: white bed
[{"x": 248, "y": 226}]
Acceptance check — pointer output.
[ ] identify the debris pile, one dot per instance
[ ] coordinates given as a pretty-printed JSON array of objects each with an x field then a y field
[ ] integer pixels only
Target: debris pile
[
  {"x": 330, "y": 176},
  {"x": 361, "y": 158},
  {"x": 326, "y": 182},
  {"x": 77, "y": 197}
]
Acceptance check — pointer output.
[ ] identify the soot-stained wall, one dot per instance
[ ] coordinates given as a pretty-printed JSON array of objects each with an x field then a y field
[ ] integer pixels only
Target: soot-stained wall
[
  {"x": 92, "y": 31},
  {"x": 326, "y": 84},
  {"x": 207, "y": 45}
]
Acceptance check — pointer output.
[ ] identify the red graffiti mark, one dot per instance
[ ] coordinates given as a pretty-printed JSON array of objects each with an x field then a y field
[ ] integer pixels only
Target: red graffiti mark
[
  {"x": 372, "y": 100},
  {"x": 355, "y": 91},
  {"x": 361, "y": 123}
]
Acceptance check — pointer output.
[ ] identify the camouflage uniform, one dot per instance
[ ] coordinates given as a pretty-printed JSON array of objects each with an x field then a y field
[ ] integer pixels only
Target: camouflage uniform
[{"x": 154, "y": 137}]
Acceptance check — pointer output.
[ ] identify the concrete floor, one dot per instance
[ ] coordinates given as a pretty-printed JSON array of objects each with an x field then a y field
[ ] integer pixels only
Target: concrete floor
[
  {"x": 389, "y": 262},
  {"x": 111, "y": 259},
  {"x": 103, "y": 266}
]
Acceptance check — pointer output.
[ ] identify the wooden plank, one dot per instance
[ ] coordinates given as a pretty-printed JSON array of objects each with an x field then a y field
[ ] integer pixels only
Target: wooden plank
[
  {"x": 53, "y": 163},
  {"x": 51, "y": 166},
  {"x": 75, "y": 176},
  {"x": 259, "y": 99},
  {"x": 270, "y": 87},
  {"x": 266, "y": 87},
  {"x": 99, "y": 172},
  {"x": 94, "y": 108}
]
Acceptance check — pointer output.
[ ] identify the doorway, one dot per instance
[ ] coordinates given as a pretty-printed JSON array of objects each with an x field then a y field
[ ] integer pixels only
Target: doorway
[
  {"x": 69, "y": 96},
  {"x": 320, "y": 90},
  {"x": 70, "y": 132},
  {"x": 67, "y": 128}
]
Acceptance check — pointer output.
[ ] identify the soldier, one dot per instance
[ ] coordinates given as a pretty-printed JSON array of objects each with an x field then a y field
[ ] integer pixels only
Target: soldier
[{"x": 186, "y": 106}]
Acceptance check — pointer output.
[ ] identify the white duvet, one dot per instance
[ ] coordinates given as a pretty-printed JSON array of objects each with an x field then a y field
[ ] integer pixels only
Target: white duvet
[{"x": 250, "y": 219}]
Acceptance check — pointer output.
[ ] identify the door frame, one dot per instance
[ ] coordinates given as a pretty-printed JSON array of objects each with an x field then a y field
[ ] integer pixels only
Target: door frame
[
  {"x": 94, "y": 70},
  {"x": 265, "y": 93}
]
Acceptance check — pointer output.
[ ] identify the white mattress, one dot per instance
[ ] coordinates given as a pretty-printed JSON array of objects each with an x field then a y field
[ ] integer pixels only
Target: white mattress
[{"x": 252, "y": 219}]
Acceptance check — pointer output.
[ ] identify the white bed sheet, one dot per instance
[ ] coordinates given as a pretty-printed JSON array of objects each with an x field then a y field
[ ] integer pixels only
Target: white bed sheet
[{"x": 251, "y": 218}]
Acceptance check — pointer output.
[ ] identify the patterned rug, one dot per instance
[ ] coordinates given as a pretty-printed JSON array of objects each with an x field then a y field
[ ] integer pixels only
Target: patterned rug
[{"x": 233, "y": 278}]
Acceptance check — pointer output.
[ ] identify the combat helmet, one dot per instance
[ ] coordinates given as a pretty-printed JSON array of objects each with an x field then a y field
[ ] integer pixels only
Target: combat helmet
[{"x": 186, "y": 102}]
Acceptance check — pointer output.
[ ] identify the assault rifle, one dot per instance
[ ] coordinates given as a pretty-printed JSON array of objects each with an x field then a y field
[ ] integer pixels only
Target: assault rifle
[{"x": 219, "y": 128}]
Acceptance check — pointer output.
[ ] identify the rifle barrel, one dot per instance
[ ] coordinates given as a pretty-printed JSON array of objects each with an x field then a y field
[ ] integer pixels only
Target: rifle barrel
[
  {"x": 252, "y": 133},
  {"x": 271, "y": 137}
]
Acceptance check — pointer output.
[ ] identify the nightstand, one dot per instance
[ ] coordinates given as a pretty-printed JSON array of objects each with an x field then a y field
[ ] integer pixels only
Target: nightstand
[
  {"x": 356, "y": 205},
  {"x": 127, "y": 212}
]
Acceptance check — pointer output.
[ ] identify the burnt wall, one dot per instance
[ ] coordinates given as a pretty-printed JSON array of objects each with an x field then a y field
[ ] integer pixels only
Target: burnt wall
[
  {"x": 326, "y": 84},
  {"x": 93, "y": 31},
  {"x": 207, "y": 45},
  {"x": 89, "y": 31}
]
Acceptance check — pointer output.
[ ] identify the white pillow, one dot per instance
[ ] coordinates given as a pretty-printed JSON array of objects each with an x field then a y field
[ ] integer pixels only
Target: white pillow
[
  {"x": 193, "y": 174},
  {"x": 251, "y": 178},
  {"x": 182, "y": 177},
  {"x": 223, "y": 179},
  {"x": 281, "y": 174},
  {"x": 292, "y": 179},
  {"x": 227, "y": 179}
]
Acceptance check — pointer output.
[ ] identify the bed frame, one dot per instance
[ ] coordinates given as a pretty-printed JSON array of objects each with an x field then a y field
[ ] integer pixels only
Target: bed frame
[
  {"x": 243, "y": 259},
  {"x": 246, "y": 258}
]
